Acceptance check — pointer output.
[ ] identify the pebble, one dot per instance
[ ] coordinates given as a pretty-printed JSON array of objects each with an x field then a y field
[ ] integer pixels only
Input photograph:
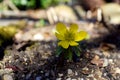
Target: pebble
[
  {"x": 81, "y": 78},
  {"x": 59, "y": 79},
  {"x": 90, "y": 75},
  {"x": 60, "y": 74},
  {"x": 5, "y": 71},
  {"x": 110, "y": 61},
  {"x": 47, "y": 74},
  {"x": 70, "y": 71},
  {"x": 78, "y": 78},
  {"x": 105, "y": 63},
  {"x": 76, "y": 73},
  {"x": 105, "y": 74},
  {"x": 68, "y": 79},
  {"x": 38, "y": 78},
  {"x": 7, "y": 77},
  {"x": 28, "y": 76}
]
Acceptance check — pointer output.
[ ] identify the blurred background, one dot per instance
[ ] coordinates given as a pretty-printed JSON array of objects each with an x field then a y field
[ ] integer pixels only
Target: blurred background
[
  {"x": 28, "y": 14},
  {"x": 52, "y": 11}
]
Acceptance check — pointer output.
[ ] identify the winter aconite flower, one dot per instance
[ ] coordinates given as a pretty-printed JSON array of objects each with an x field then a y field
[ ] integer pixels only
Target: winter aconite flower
[{"x": 69, "y": 36}]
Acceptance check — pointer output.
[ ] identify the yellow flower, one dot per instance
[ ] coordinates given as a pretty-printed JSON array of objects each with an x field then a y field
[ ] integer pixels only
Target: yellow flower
[{"x": 69, "y": 37}]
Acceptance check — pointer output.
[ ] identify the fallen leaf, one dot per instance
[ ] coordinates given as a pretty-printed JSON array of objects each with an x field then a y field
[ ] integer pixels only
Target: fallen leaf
[
  {"x": 97, "y": 61},
  {"x": 107, "y": 46}
]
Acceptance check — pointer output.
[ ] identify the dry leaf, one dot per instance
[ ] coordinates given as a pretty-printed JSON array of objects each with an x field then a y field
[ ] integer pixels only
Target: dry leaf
[{"x": 97, "y": 61}]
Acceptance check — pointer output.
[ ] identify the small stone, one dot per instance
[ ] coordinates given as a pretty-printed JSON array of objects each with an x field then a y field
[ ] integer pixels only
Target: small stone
[
  {"x": 47, "y": 74},
  {"x": 90, "y": 75},
  {"x": 28, "y": 76},
  {"x": 5, "y": 71},
  {"x": 59, "y": 79},
  {"x": 38, "y": 36},
  {"x": 105, "y": 63},
  {"x": 78, "y": 78},
  {"x": 76, "y": 73},
  {"x": 41, "y": 72},
  {"x": 68, "y": 79},
  {"x": 60, "y": 74},
  {"x": 70, "y": 71},
  {"x": 105, "y": 74},
  {"x": 38, "y": 78},
  {"x": 85, "y": 70},
  {"x": 81, "y": 78},
  {"x": 110, "y": 61},
  {"x": 7, "y": 77}
]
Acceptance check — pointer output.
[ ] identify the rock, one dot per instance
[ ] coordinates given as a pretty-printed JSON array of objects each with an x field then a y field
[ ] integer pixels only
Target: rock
[
  {"x": 1, "y": 65},
  {"x": 59, "y": 79},
  {"x": 70, "y": 71},
  {"x": 60, "y": 74},
  {"x": 47, "y": 74},
  {"x": 5, "y": 71},
  {"x": 68, "y": 79},
  {"x": 28, "y": 76},
  {"x": 78, "y": 78},
  {"x": 86, "y": 70},
  {"x": 7, "y": 77},
  {"x": 76, "y": 73},
  {"x": 38, "y": 78},
  {"x": 60, "y": 13},
  {"x": 63, "y": 10},
  {"x": 81, "y": 79},
  {"x": 105, "y": 63},
  {"x": 111, "y": 13}
]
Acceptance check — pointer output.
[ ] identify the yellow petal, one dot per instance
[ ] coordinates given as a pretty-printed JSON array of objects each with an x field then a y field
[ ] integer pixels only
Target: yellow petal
[
  {"x": 73, "y": 28},
  {"x": 59, "y": 36},
  {"x": 61, "y": 28},
  {"x": 73, "y": 43},
  {"x": 80, "y": 35},
  {"x": 64, "y": 44}
]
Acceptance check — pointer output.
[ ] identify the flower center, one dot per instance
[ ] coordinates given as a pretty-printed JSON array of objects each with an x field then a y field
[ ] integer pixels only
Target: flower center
[{"x": 69, "y": 36}]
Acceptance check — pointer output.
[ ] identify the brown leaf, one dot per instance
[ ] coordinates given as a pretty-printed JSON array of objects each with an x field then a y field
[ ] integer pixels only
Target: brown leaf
[
  {"x": 97, "y": 61},
  {"x": 107, "y": 46}
]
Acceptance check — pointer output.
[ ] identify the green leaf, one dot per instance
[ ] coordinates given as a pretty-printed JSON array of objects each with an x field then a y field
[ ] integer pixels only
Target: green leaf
[
  {"x": 45, "y": 3},
  {"x": 70, "y": 55},
  {"x": 76, "y": 50},
  {"x": 59, "y": 50}
]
